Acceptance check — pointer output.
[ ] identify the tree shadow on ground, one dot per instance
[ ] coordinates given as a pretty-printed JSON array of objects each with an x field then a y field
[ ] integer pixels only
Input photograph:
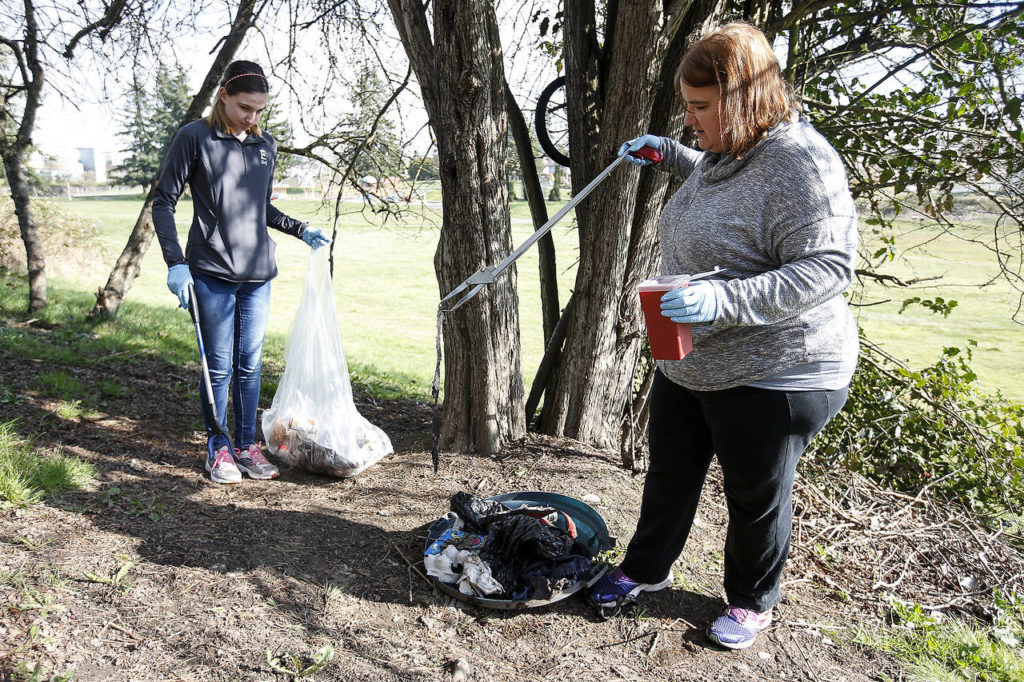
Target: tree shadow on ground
[{"x": 322, "y": 551}]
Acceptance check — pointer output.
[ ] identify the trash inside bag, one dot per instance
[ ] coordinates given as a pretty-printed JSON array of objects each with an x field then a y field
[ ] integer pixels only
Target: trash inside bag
[
  {"x": 519, "y": 553},
  {"x": 313, "y": 422}
]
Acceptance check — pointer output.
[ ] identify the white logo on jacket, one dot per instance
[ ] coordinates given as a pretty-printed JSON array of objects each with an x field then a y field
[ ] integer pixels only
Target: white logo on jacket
[{"x": 263, "y": 157}]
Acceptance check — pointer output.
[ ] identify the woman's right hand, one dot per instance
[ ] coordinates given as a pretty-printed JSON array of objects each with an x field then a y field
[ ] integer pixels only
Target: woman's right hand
[
  {"x": 178, "y": 279},
  {"x": 638, "y": 143}
]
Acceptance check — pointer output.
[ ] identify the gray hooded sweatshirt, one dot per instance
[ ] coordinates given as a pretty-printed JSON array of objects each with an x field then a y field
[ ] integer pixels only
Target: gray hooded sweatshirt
[{"x": 781, "y": 222}]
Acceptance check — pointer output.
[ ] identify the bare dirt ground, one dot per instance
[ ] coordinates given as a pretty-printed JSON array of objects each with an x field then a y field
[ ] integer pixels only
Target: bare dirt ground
[{"x": 154, "y": 573}]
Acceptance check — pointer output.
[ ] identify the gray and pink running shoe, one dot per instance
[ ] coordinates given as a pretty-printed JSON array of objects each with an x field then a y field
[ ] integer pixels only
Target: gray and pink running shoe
[
  {"x": 615, "y": 590},
  {"x": 254, "y": 464}
]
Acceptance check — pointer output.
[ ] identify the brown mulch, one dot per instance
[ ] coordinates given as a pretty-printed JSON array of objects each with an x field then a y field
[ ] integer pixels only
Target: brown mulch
[{"x": 154, "y": 573}]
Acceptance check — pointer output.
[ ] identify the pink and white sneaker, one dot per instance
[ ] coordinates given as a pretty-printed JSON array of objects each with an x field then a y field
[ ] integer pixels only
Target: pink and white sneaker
[
  {"x": 222, "y": 467},
  {"x": 254, "y": 464}
]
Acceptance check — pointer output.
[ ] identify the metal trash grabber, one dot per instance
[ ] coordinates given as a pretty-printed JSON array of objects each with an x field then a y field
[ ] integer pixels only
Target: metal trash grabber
[
  {"x": 218, "y": 429},
  {"x": 488, "y": 274}
]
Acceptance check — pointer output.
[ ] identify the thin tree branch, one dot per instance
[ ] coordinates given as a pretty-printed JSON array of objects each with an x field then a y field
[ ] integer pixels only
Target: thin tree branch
[
  {"x": 988, "y": 24},
  {"x": 110, "y": 19}
]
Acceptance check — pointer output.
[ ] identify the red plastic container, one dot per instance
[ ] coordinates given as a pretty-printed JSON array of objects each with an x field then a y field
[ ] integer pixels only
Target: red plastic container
[{"x": 669, "y": 340}]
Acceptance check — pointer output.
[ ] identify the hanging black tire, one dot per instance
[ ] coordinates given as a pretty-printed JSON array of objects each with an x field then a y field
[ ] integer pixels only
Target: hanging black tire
[{"x": 551, "y": 122}]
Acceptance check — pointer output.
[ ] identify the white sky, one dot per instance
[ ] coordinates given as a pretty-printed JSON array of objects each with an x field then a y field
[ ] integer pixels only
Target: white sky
[{"x": 60, "y": 128}]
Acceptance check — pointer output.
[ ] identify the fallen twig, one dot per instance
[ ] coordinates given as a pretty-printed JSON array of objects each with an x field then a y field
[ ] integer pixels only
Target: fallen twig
[{"x": 413, "y": 566}]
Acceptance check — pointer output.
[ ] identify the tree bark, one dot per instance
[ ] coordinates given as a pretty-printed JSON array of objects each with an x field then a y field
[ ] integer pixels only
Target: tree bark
[
  {"x": 129, "y": 263},
  {"x": 552, "y": 354},
  {"x": 592, "y": 383},
  {"x": 463, "y": 86},
  {"x": 34, "y": 256},
  {"x": 614, "y": 95},
  {"x": 13, "y": 152}
]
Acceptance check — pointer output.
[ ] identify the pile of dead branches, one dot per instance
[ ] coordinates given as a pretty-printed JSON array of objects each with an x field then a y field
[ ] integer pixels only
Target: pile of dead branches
[{"x": 872, "y": 546}]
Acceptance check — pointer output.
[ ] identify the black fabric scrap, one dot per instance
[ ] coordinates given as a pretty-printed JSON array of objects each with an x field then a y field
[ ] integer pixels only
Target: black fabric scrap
[
  {"x": 547, "y": 576},
  {"x": 478, "y": 514}
]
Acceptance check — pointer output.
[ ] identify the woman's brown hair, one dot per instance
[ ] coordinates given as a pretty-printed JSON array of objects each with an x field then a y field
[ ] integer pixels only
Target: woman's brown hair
[
  {"x": 755, "y": 97},
  {"x": 240, "y": 76}
]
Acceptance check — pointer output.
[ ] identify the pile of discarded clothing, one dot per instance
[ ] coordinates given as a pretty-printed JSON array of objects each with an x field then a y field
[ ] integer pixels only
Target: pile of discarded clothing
[{"x": 515, "y": 553}]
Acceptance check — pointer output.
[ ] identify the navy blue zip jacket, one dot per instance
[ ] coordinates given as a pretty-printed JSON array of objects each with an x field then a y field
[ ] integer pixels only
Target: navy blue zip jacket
[{"x": 231, "y": 183}]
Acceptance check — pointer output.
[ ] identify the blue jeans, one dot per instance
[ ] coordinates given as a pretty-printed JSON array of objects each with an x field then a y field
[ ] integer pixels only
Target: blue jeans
[
  {"x": 233, "y": 319},
  {"x": 758, "y": 436}
]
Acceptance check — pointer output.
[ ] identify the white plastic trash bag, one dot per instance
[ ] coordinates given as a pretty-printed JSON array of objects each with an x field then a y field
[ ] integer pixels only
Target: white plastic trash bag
[{"x": 313, "y": 422}]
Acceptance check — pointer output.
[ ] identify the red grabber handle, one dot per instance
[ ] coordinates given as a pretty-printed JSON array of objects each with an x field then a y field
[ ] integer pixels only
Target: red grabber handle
[{"x": 649, "y": 153}]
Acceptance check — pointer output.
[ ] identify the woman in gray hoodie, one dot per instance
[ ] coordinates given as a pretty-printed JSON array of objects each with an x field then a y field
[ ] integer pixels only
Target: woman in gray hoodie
[{"x": 774, "y": 343}]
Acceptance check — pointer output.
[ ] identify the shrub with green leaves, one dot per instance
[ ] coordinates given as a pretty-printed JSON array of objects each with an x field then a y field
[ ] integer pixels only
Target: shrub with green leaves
[{"x": 909, "y": 429}]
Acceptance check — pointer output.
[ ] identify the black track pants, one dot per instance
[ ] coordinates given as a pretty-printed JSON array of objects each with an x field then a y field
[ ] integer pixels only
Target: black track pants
[{"x": 758, "y": 436}]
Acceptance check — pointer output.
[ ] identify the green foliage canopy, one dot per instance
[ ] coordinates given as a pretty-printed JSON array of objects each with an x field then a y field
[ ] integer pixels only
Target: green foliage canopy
[
  {"x": 924, "y": 103},
  {"x": 149, "y": 122},
  {"x": 930, "y": 428},
  {"x": 378, "y": 155},
  {"x": 276, "y": 123}
]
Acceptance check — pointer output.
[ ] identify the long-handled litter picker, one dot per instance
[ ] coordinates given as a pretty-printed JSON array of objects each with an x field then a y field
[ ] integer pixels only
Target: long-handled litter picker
[
  {"x": 217, "y": 429},
  {"x": 488, "y": 274}
]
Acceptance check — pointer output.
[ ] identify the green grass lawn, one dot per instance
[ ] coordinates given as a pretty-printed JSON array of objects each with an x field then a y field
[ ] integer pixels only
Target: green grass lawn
[
  {"x": 386, "y": 292},
  {"x": 970, "y": 276},
  {"x": 385, "y": 289}
]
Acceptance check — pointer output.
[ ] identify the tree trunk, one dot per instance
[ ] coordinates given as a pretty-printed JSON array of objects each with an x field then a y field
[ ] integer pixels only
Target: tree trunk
[
  {"x": 654, "y": 189},
  {"x": 613, "y": 96},
  {"x": 110, "y": 297},
  {"x": 548, "y": 363},
  {"x": 129, "y": 263},
  {"x": 592, "y": 383},
  {"x": 556, "y": 184},
  {"x": 539, "y": 213},
  {"x": 13, "y": 149},
  {"x": 34, "y": 256},
  {"x": 463, "y": 85}
]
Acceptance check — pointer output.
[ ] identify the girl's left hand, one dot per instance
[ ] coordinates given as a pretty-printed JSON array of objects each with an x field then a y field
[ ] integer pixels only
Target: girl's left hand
[
  {"x": 693, "y": 303},
  {"x": 314, "y": 237}
]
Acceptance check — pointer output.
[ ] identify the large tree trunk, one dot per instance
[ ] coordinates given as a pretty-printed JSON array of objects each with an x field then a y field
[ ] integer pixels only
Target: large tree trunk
[
  {"x": 602, "y": 341},
  {"x": 129, "y": 263},
  {"x": 462, "y": 81},
  {"x": 613, "y": 95},
  {"x": 126, "y": 269},
  {"x": 34, "y": 257}
]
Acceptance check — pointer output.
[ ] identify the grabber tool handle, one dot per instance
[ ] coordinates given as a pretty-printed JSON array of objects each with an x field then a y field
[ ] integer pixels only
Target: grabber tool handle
[
  {"x": 649, "y": 153},
  {"x": 218, "y": 429}
]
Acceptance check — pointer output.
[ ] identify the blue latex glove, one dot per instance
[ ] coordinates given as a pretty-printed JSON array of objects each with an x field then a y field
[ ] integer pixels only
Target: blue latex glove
[
  {"x": 178, "y": 279},
  {"x": 314, "y": 237},
  {"x": 633, "y": 145},
  {"x": 694, "y": 303}
]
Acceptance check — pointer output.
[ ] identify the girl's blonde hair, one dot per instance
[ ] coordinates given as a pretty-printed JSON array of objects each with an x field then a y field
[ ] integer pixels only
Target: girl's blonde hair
[
  {"x": 240, "y": 76},
  {"x": 755, "y": 97}
]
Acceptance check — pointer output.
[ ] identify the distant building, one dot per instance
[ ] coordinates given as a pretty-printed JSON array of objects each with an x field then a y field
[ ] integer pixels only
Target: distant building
[
  {"x": 549, "y": 171},
  {"x": 73, "y": 165},
  {"x": 96, "y": 162}
]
